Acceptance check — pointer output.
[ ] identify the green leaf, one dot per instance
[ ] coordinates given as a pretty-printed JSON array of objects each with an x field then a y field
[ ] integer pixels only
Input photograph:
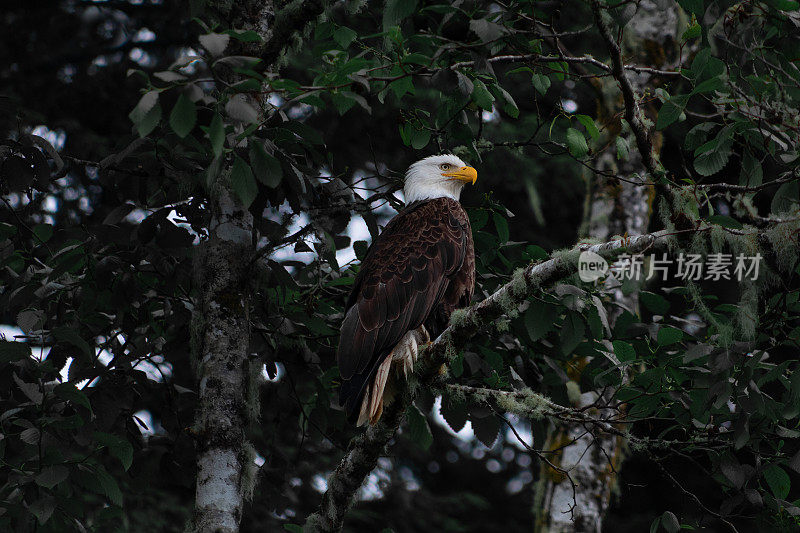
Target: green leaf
[
  {"x": 216, "y": 134},
  {"x": 669, "y": 335},
  {"x": 416, "y": 138},
  {"x": 183, "y": 116},
  {"x": 215, "y": 42},
  {"x": 43, "y": 232},
  {"x": 540, "y": 82},
  {"x": 402, "y": 87},
  {"x": 344, "y": 36},
  {"x": 671, "y": 110},
  {"x": 654, "y": 302},
  {"x": 572, "y": 332},
  {"x": 710, "y": 162},
  {"x": 539, "y": 319},
  {"x": 454, "y": 413},
  {"x": 51, "y": 476},
  {"x": 509, "y": 105},
  {"x": 692, "y": 31},
  {"x": 778, "y": 481},
  {"x": 698, "y": 135},
  {"x": 654, "y": 524},
  {"x": 149, "y": 122},
  {"x": 248, "y": 36},
  {"x": 13, "y": 351},
  {"x": 146, "y": 103},
  {"x": 502, "y": 227},
  {"x": 108, "y": 485},
  {"x": 117, "y": 446},
  {"x": 710, "y": 85},
  {"x": 786, "y": 198},
  {"x": 70, "y": 336},
  {"x": 535, "y": 253},
  {"x": 481, "y": 95},
  {"x": 622, "y": 147},
  {"x": 396, "y": 10},
  {"x": 266, "y": 167},
  {"x": 751, "y": 175},
  {"x": 588, "y": 123},
  {"x": 243, "y": 182},
  {"x": 418, "y": 429},
  {"x": 416, "y": 58},
  {"x": 420, "y": 139},
  {"x": 670, "y": 522},
  {"x": 486, "y": 429},
  {"x": 784, "y": 5},
  {"x": 725, "y": 221},
  {"x": 7, "y": 230},
  {"x": 478, "y": 218},
  {"x": 624, "y": 351},
  {"x": 342, "y": 102},
  {"x": 492, "y": 358},
  {"x": 576, "y": 143},
  {"x": 68, "y": 391},
  {"x": 360, "y": 248},
  {"x": 43, "y": 509}
]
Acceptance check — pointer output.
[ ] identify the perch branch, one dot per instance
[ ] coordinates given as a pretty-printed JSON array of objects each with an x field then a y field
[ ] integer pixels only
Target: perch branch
[{"x": 365, "y": 449}]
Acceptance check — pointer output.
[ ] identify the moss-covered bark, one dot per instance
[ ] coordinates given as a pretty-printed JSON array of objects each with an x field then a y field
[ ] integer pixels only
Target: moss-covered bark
[{"x": 223, "y": 334}]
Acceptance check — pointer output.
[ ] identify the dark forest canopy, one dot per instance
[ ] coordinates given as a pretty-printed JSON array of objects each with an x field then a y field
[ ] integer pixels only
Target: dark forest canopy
[{"x": 141, "y": 342}]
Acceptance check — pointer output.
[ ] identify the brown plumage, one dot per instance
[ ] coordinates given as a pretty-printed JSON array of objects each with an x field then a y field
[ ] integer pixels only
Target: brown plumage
[{"x": 415, "y": 274}]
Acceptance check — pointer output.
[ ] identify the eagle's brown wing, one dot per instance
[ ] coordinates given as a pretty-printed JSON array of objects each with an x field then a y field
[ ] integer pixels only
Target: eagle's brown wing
[{"x": 402, "y": 280}]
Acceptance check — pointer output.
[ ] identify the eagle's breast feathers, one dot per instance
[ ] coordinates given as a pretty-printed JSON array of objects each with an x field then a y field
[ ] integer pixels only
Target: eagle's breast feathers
[{"x": 420, "y": 268}]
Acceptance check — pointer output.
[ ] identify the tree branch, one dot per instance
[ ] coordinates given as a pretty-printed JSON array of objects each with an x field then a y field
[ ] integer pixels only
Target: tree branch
[
  {"x": 538, "y": 58},
  {"x": 364, "y": 450},
  {"x": 533, "y": 405},
  {"x": 632, "y": 111},
  {"x": 290, "y": 19}
]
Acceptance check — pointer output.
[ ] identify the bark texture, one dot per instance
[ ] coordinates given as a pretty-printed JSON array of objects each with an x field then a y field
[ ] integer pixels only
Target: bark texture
[
  {"x": 223, "y": 321},
  {"x": 361, "y": 458},
  {"x": 577, "y": 501},
  {"x": 221, "y": 332},
  {"x": 365, "y": 449}
]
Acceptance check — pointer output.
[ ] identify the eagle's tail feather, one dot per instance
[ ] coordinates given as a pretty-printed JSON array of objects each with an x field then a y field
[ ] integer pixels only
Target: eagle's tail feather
[{"x": 403, "y": 356}]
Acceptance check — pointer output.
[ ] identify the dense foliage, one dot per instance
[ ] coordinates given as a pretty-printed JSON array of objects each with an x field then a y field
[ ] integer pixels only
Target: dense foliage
[{"x": 122, "y": 117}]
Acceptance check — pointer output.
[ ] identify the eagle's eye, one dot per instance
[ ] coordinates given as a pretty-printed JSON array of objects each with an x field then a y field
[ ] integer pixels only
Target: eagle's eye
[{"x": 445, "y": 166}]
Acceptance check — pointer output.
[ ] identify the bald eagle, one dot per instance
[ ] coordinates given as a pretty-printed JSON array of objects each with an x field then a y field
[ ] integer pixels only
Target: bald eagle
[{"x": 418, "y": 270}]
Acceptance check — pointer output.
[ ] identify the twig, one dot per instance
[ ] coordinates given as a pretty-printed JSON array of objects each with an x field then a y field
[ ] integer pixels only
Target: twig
[{"x": 632, "y": 111}]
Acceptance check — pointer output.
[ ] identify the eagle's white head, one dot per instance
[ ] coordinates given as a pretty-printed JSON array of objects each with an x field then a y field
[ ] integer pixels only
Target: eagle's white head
[{"x": 437, "y": 176}]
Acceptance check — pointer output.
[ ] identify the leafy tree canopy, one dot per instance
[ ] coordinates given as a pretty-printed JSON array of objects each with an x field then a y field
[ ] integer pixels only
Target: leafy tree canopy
[{"x": 121, "y": 119}]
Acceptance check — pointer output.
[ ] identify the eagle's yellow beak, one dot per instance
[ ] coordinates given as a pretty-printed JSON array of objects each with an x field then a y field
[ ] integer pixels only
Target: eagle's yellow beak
[{"x": 465, "y": 174}]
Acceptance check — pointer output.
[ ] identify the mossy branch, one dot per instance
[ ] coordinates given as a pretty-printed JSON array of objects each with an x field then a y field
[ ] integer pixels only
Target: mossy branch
[
  {"x": 365, "y": 449},
  {"x": 291, "y": 19},
  {"x": 530, "y": 404}
]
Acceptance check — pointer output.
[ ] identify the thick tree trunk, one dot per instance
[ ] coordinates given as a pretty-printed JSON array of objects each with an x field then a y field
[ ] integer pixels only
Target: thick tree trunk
[
  {"x": 221, "y": 329},
  {"x": 222, "y": 414},
  {"x": 576, "y": 503}
]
